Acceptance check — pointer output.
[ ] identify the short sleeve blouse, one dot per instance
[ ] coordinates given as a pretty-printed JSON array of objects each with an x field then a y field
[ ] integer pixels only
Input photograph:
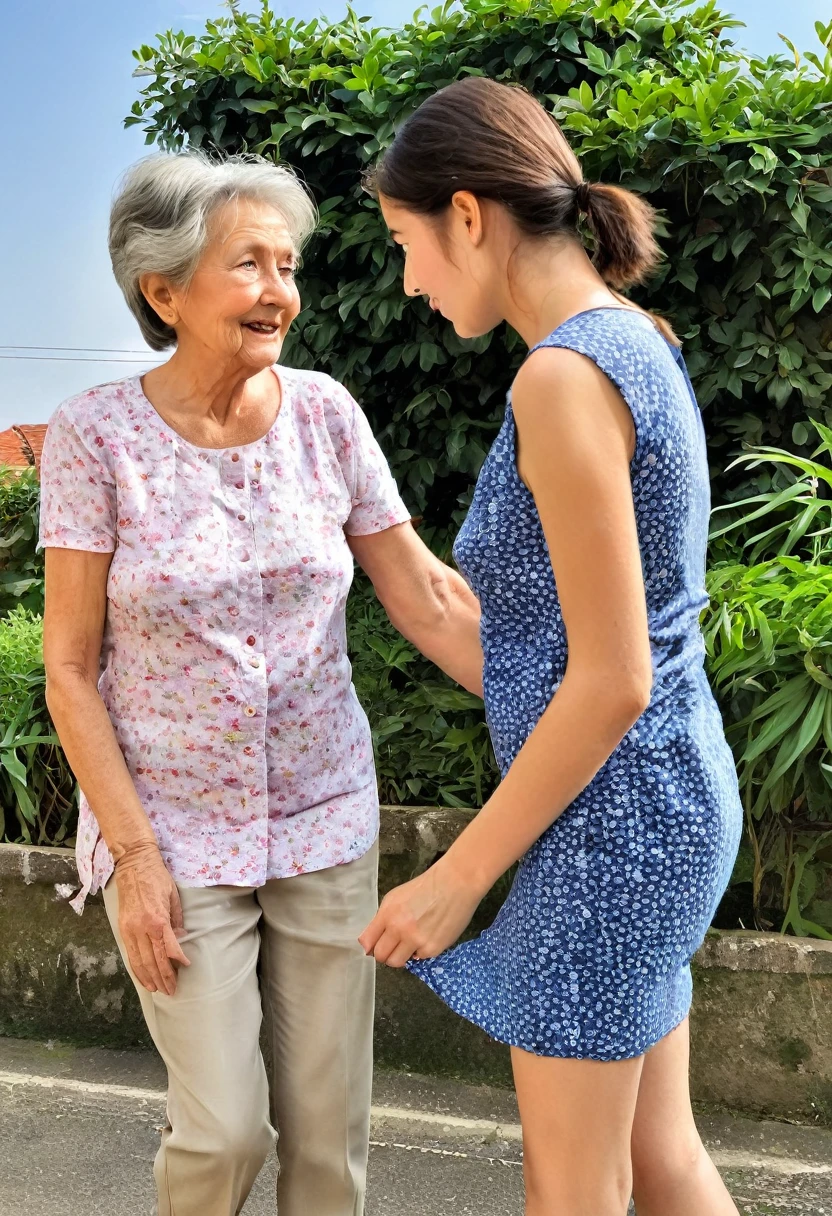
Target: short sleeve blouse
[{"x": 224, "y": 666}]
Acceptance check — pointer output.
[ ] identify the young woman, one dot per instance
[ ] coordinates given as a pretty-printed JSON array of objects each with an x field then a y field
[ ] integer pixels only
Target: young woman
[{"x": 585, "y": 544}]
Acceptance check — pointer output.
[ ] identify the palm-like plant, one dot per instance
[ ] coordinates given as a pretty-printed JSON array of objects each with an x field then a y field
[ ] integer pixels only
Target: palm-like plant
[
  {"x": 768, "y": 634},
  {"x": 802, "y": 512}
]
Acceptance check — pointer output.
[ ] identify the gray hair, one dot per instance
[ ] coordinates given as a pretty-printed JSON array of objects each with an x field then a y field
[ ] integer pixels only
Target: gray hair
[{"x": 159, "y": 222}]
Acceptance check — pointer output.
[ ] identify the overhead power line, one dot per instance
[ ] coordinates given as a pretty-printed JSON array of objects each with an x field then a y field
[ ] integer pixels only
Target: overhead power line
[
  {"x": 73, "y": 359},
  {"x": 109, "y": 350}
]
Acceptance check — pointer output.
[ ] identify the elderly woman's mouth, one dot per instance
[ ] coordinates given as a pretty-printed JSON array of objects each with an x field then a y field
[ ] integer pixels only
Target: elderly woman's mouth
[{"x": 261, "y": 327}]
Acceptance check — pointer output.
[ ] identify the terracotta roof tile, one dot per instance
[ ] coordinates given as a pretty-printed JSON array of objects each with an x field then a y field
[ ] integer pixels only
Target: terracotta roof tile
[{"x": 21, "y": 446}]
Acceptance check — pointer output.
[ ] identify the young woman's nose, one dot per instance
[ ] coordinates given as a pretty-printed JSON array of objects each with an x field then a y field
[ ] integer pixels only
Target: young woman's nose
[{"x": 411, "y": 287}]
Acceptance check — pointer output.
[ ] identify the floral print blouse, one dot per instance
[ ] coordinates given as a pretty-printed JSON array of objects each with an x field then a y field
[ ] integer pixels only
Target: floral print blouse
[{"x": 224, "y": 666}]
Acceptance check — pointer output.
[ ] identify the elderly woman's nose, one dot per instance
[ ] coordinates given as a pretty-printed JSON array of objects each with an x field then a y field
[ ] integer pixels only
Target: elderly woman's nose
[{"x": 277, "y": 289}]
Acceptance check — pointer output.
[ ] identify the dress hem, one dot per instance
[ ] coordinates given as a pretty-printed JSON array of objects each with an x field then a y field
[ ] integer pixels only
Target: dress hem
[{"x": 625, "y": 1054}]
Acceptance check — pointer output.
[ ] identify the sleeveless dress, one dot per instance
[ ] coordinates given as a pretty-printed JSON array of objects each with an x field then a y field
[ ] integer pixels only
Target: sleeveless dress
[{"x": 589, "y": 957}]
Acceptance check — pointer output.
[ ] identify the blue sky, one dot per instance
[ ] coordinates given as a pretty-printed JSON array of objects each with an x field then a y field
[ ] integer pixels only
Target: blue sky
[{"x": 66, "y": 85}]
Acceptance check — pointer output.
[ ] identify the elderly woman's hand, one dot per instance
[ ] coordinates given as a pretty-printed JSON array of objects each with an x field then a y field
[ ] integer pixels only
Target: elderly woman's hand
[
  {"x": 422, "y": 917},
  {"x": 150, "y": 915}
]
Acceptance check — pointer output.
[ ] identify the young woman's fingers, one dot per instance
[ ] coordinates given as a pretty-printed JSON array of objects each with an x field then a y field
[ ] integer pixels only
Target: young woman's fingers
[
  {"x": 387, "y": 943},
  {"x": 373, "y": 932},
  {"x": 401, "y": 955}
]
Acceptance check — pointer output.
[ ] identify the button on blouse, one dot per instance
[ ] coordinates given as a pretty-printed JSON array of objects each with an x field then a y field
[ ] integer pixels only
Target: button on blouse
[{"x": 224, "y": 667}]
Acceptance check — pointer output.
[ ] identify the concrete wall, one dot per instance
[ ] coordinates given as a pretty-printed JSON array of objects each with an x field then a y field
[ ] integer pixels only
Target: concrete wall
[{"x": 761, "y": 1023}]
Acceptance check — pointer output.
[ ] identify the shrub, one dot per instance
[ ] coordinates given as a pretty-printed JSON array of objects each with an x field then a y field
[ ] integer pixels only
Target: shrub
[
  {"x": 735, "y": 152},
  {"x": 37, "y": 789},
  {"x": 768, "y": 634},
  {"x": 431, "y": 743},
  {"x": 21, "y": 569},
  {"x": 769, "y": 640}
]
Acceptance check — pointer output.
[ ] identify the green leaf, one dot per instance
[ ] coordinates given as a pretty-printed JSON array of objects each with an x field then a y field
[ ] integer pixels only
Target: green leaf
[
  {"x": 800, "y": 212},
  {"x": 660, "y": 129},
  {"x": 13, "y": 765},
  {"x": 821, "y": 297},
  {"x": 596, "y": 58},
  {"x": 258, "y": 107}
]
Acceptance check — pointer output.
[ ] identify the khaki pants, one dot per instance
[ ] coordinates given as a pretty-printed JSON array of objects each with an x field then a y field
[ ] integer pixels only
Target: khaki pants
[{"x": 318, "y": 988}]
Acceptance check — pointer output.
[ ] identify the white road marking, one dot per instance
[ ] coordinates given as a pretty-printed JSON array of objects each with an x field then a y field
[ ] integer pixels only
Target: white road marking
[
  {"x": 70, "y": 1085},
  {"x": 725, "y": 1159},
  {"x": 486, "y": 1127}
]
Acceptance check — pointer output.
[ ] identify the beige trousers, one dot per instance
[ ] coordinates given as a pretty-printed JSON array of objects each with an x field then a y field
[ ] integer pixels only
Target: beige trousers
[{"x": 318, "y": 988}]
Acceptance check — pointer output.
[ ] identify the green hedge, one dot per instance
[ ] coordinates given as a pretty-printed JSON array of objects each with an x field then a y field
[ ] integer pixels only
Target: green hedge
[{"x": 735, "y": 152}]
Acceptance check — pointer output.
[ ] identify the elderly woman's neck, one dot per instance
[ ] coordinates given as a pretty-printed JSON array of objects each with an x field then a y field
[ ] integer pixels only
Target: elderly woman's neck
[{"x": 193, "y": 389}]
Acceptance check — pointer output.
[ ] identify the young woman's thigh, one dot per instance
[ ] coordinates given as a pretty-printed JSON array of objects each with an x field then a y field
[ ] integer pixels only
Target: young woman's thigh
[
  {"x": 663, "y": 1111},
  {"x": 577, "y": 1118}
]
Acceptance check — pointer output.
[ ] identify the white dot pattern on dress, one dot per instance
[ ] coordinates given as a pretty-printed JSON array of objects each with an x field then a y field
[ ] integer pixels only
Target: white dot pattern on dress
[{"x": 589, "y": 956}]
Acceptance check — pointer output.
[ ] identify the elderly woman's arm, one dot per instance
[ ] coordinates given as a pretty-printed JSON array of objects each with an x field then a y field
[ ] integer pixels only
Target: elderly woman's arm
[
  {"x": 427, "y": 601},
  {"x": 149, "y": 909}
]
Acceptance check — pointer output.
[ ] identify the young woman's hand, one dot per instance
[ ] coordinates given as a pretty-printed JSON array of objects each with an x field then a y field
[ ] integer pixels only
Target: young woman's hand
[{"x": 422, "y": 917}]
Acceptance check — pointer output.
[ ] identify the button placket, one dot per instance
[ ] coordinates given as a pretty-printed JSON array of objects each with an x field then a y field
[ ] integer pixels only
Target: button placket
[{"x": 254, "y": 683}]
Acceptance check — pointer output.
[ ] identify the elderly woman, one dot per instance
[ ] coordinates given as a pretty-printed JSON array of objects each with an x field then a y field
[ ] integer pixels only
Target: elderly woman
[{"x": 200, "y": 524}]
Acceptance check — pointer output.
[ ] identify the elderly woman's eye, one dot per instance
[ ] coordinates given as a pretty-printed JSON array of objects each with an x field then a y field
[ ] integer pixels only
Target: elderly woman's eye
[{"x": 248, "y": 262}]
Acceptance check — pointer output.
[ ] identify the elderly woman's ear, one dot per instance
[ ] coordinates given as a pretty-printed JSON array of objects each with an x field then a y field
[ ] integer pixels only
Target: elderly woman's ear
[{"x": 157, "y": 291}]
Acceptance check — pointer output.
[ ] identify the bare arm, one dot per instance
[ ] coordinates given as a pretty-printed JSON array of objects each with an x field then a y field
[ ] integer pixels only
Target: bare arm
[
  {"x": 76, "y": 601},
  {"x": 576, "y": 438},
  {"x": 427, "y": 601}
]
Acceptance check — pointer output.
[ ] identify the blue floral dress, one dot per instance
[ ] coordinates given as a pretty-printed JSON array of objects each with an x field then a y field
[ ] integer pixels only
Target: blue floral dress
[{"x": 589, "y": 957}]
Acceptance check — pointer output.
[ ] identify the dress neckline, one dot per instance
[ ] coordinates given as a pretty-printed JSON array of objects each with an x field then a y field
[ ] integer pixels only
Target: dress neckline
[
  {"x": 235, "y": 447},
  {"x": 605, "y": 308}
]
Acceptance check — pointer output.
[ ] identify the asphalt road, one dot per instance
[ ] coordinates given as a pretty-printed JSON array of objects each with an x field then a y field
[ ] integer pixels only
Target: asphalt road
[{"x": 79, "y": 1130}]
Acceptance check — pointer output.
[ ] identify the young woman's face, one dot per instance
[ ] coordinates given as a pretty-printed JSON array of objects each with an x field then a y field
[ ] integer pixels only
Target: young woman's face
[{"x": 446, "y": 262}]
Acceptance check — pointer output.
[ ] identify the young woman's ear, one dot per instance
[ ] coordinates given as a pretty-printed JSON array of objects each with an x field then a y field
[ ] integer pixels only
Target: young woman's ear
[{"x": 468, "y": 208}]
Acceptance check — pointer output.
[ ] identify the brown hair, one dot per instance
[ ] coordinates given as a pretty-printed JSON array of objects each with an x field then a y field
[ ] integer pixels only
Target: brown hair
[{"x": 498, "y": 142}]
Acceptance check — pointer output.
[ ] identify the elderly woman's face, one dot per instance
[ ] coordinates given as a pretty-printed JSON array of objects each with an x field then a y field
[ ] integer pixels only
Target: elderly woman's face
[{"x": 243, "y": 296}]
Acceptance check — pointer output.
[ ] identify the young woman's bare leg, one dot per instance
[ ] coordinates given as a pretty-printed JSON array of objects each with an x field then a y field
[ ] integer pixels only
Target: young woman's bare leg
[
  {"x": 577, "y": 1118},
  {"x": 672, "y": 1173}
]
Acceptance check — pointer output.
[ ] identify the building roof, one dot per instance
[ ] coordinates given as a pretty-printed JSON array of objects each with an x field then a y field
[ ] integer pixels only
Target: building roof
[{"x": 21, "y": 446}]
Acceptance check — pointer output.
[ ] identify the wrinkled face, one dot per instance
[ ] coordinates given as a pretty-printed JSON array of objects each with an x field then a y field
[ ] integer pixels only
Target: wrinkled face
[
  {"x": 243, "y": 296},
  {"x": 446, "y": 260}
]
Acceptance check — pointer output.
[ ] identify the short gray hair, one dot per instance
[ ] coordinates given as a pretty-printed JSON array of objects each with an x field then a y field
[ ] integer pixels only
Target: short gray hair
[{"x": 159, "y": 222}]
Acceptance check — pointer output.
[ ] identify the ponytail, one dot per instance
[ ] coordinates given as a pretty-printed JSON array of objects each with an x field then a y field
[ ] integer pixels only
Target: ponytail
[{"x": 623, "y": 226}]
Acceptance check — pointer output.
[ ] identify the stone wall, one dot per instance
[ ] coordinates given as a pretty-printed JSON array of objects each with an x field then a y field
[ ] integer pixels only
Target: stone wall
[{"x": 761, "y": 1022}]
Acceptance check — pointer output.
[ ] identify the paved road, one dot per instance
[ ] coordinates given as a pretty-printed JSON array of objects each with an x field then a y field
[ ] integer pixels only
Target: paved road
[{"x": 79, "y": 1129}]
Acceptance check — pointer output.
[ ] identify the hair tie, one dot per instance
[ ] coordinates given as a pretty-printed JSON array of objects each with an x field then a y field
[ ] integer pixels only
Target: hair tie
[{"x": 582, "y": 195}]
